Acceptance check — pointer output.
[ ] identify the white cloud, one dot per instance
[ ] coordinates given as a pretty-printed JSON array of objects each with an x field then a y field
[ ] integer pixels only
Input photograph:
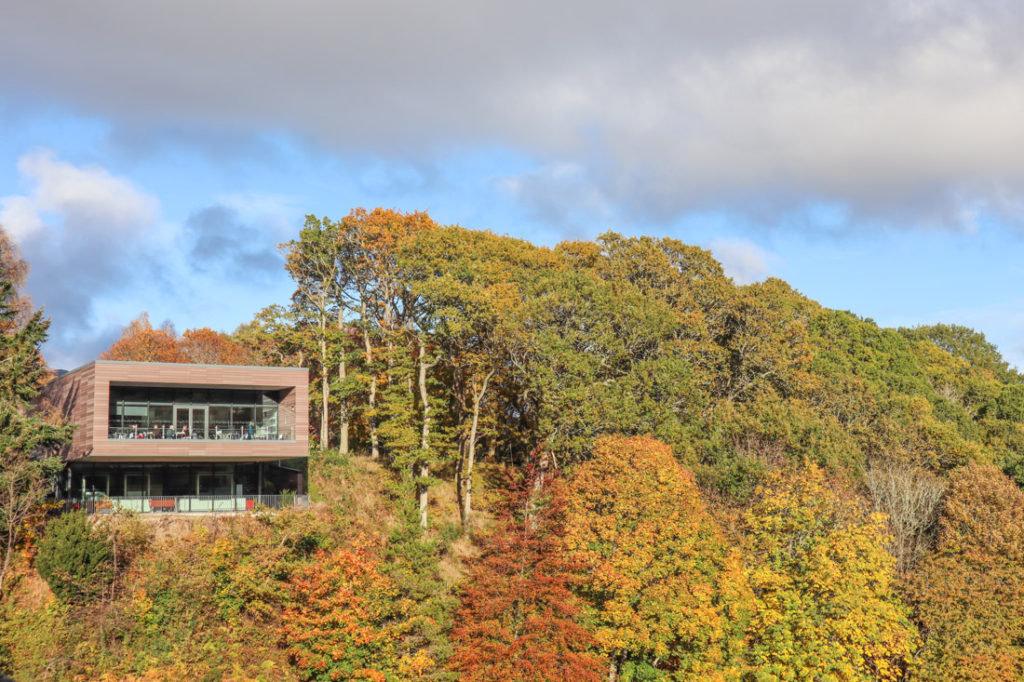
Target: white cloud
[
  {"x": 742, "y": 260},
  {"x": 87, "y": 196},
  {"x": 19, "y": 217}
]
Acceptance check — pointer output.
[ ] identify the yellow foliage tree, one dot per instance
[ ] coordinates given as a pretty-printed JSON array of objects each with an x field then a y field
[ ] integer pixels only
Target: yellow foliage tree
[
  {"x": 666, "y": 592},
  {"x": 825, "y": 604}
]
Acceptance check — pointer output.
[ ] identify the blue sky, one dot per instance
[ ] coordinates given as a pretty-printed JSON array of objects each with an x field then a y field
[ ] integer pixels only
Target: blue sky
[{"x": 151, "y": 157}]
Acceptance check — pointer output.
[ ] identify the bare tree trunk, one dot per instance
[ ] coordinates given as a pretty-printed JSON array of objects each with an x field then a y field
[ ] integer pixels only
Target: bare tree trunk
[
  {"x": 325, "y": 390},
  {"x": 11, "y": 538},
  {"x": 343, "y": 401},
  {"x": 343, "y": 412},
  {"x": 467, "y": 487},
  {"x": 459, "y": 467},
  {"x": 372, "y": 399},
  {"x": 425, "y": 429}
]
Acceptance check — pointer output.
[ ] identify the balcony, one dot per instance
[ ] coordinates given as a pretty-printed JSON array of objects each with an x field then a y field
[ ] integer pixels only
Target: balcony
[{"x": 233, "y": 434}]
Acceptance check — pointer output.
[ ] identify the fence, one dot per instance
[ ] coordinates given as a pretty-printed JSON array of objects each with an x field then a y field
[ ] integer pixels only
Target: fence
[{"x": 188, "y": 504}]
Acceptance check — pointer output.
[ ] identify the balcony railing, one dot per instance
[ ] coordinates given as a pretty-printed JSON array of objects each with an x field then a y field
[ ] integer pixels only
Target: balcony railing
[
  {"x": 188, "y": 504},
  {"x": 257, "y": 433}
]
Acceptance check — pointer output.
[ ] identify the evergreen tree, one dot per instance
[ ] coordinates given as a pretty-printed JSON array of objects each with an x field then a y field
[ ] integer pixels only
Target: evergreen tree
[
  {"x": 25, "y": 474},
  {"x": 74, "y": 558}
]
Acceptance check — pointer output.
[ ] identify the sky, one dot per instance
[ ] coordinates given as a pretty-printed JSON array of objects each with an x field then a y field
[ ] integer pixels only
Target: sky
[{"x": 153, "y": 155}]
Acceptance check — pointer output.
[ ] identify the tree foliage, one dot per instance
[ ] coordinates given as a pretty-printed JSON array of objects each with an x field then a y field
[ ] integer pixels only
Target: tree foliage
[
  {"x": 74, "y": 558},
  {"x": 664, "y": 588},
  {"x": 141, "y": 342},
  {"x": 825, "y": 601},
  {"x": 519, "y": 618},
  {"x": 969, "y": 593},
  {"x": 26, "y": 438}
]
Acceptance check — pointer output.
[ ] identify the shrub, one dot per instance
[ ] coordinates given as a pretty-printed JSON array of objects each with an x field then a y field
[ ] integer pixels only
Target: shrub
[{"x": 74, "y": 558}]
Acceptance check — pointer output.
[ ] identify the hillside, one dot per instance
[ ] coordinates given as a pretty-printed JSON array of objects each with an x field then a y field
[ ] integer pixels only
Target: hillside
[{"x": 602, "y": 459}]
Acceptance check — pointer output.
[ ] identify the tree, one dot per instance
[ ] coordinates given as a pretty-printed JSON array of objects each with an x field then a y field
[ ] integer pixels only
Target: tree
[
  {"x": 825, "y": 600},
  {"x": 519, "y": 619},
  {"x": 665, "y": 591},
  {"x": 341, "y": 624},
  {"x": 313, "y": 261},
  {"x": 74, "y": 558},
  {"x": 910, "y": 500},
  {"x": 25, "y": 438},
  {"x": 411, "y": 561},
  {"x": 205, "y": 346},
  {"x": 968, "y": 595},
  {"x": 140, "y": 342}
]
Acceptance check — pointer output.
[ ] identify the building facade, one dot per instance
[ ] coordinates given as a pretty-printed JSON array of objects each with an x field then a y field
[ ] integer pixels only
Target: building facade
[{"x": 182, "y": 438}]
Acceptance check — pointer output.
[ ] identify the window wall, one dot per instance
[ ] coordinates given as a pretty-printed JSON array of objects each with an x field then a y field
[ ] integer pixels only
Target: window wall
[{"x": 199, "y": 413}]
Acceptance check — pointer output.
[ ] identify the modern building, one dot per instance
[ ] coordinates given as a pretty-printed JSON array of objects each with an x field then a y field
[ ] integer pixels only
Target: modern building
[{"x": 165, "y": 437}]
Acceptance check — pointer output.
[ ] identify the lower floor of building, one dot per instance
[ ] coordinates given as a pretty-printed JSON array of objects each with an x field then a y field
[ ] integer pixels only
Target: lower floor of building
[{"x": 81, "y": 481}]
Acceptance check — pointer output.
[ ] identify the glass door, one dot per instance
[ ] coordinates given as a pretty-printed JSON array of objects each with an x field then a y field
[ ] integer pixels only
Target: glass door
[
  {"x": 190, "y": 421},
  {"x": 199, "y": 421},
  {"x": 182, "y": 422}
]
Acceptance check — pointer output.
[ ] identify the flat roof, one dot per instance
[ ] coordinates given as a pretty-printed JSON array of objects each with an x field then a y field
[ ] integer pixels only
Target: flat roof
[{"x": 261, "y": 368}]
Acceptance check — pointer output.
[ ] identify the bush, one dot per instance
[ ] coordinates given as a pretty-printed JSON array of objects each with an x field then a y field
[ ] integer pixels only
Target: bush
[{"x": 74, "y": 558}]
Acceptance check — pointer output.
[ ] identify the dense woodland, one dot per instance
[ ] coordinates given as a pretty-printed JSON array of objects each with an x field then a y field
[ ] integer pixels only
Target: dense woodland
[{"x": 602, "y": 460}]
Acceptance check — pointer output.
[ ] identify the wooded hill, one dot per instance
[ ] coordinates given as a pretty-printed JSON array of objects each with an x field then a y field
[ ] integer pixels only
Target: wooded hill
[{"x": 685, "y": 479}]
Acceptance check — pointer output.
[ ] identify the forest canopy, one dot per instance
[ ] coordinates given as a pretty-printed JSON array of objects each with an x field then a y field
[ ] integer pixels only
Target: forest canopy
[{"x": 601, "y": 459}]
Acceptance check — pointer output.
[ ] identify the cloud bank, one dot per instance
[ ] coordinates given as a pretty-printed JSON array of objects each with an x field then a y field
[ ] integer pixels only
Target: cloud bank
[{"x": 907, "y": 110}]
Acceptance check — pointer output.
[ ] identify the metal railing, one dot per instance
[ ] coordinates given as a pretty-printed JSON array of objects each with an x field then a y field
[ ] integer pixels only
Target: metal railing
[
  {"x": 257, "y": 433},
  {"x": 188, "y": 504}
]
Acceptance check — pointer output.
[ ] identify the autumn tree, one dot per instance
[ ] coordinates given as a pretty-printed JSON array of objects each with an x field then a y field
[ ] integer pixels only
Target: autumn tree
[
  {"x": 341, "y": 624},
  {"x": 313, "y": 260},
  {"x": 968, "y": 595},
  {"x": 665, "y": 591},
  {"x": 140, "y": 342},
  {"x": 519, "y": 618},
  {"x": 463, "y": 281},
  {"x": 205, "y": 346},
  {"x": 26, "y": 437},
  {"x": 270, "y": 338},
  {"x": 824, "y": 591}
]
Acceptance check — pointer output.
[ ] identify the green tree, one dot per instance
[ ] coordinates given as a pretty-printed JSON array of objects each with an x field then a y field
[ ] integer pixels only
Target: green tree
[
  {"x": 25, "y": 437},
  {"x": 75, "y": 559}
]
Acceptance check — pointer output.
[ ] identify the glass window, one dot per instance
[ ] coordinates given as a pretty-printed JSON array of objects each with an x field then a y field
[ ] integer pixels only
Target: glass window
[
  {"x": 242, "y": 416},
  {"x": 220, "y": 421},
  {"x": 220, "y": 397},
  {"x": 245, "y": 397},
  {"x": 164, "y": 396},
  {"x": 133, "y": 394},
  {"x": 160, "y": 419},
  {"x": 136, "y": 414}
]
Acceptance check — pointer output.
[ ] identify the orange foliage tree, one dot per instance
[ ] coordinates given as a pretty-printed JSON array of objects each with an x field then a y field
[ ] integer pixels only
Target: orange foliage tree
[
  {"x": 519, "y": 618},
  {"x": 342, "y": 624},
  {"x": 208, "y": 347},
  {"x": 825, "y": 600},
  {"x": 666, "y": 592},
  {"x": 969, "y": 593},
  {"x": 140, "y": 342}
]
